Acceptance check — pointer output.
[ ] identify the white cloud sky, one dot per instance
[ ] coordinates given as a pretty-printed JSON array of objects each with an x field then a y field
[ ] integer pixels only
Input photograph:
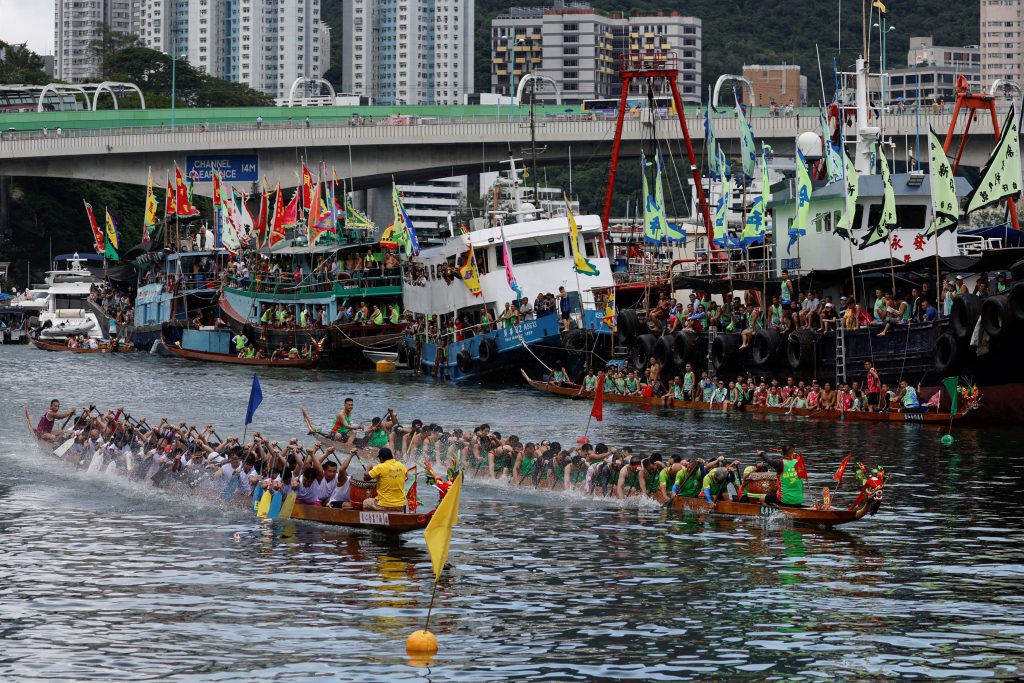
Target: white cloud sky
[{"x": 28, "y": 21}]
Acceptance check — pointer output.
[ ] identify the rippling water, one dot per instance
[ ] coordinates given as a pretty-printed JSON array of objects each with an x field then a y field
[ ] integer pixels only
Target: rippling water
[{"x": 101, "y": 580}]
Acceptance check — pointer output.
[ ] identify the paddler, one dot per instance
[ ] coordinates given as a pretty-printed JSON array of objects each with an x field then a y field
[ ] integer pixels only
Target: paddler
[
  {"x": 717, "y": 480},
  {"x": 390, "y": 475},
  {"x": 792, "y": 475},
  {"x": 343, "y": 429},
  {"x": 240, "y": 341},
  {"x": 758, "y": 481},
  {"x": 44, "y": 429},
  {"x": 632, "y": 475}
]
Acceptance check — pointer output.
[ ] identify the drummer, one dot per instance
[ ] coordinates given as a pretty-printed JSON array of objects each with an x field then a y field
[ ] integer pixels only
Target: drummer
[
  {"x": 390, "y": 475},
  {"x": 44, "y": 430}
]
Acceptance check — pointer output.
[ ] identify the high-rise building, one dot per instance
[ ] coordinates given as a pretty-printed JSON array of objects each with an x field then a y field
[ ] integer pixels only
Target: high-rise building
[
  {"x": 265, "y": 44},
  {"x": 77, "y": 24},
  {"x": 1002, "y": 50},
  {"x": 931, "y": 72},
  {"x": 408, "y": 51},
  {"x": 580, "y": 50}
]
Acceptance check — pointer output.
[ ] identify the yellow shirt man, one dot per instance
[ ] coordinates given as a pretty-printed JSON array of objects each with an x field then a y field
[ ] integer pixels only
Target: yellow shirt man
[{"x": 390, "y": 476}]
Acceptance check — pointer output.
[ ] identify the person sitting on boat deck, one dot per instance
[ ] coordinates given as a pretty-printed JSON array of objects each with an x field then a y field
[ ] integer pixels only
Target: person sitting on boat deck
[
  {"x": 758, "y": 480},
  {"x": 827, "y": 397},
  {"x": 590, "y": 381},
  {"x": 632, "y": 478},
  {"x": 559, "y": 377},
  {"x": 792, "y": 475},
  {"x": 928, "y": 313},
  {"x": 390, "y": 475},
  {"x": 293, "y": 353},
  {"x": 44, "y": 428},
  {"x": 279, "y": 353},
  {"x": 717, "y": 480},
  {"x": 343, "y": 430},
  {"x": 907, "y": 398}
]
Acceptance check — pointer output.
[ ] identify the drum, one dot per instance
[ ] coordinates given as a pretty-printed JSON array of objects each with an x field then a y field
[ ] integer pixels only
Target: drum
[
  {"x": 761, "y": 482},
  {"x": 361, "y": 490}
]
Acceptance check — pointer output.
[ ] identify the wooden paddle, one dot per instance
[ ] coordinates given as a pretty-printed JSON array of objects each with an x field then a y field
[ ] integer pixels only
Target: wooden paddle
[
  {"x": 288, "y": 506},
  {"x": 275, "y": 505}
]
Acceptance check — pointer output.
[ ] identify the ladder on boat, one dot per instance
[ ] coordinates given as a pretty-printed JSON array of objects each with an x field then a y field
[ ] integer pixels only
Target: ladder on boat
[
  {"x": 840, "y": 355},
  {"x": 712, "y": 333}
]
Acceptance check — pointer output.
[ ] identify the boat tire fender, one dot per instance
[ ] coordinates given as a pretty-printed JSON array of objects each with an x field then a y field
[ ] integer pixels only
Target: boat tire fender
[
  {"x": 964, "y": 316},
  {"x": 946, "y": 354},
  {"x": 1016, "y": 299},
  {"x": 488, "y": 350},
  {"x": 684, "y": 349},
  {"x": 663, "y": 351},
  {"x": 996, "y": 316},
  {"x": 723, "y": 350},
  {"x": 575, "y": 342},
  {"x": 642, "y": 350},
  {"x": 464, "y": 361},
  {"x": 628, "y": 324},
  {"x": 800, "y": 349},
  {"x": 764, "y": 346}
]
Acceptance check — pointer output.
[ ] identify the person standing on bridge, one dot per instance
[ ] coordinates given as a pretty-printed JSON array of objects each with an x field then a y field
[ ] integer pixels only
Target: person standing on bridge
[{"x": 259, "y": 121}]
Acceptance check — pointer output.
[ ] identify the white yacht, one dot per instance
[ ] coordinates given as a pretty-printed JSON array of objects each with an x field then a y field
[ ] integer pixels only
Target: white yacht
[{"x": 67, "y": 312}]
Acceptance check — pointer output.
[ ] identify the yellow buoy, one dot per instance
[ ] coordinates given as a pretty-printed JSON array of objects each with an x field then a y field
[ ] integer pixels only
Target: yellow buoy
[
  {"x": 385, "y": 366},
  {"x": 421, "y": 643}
]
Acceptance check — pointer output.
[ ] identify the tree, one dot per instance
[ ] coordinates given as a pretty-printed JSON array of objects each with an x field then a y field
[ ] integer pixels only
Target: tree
[
  {"x": 18, "y": 64},
  {"x": 108, "y": 45}
]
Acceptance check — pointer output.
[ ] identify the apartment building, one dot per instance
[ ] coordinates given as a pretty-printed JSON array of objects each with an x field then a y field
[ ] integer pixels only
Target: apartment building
[
  {"x": 77, "y": 24},
  {"x": 1002, "y": 51},
  {"x": 408, "y": 51},
  {"x": 581, "y": 49},
  {"x": 776, "y": 83},
  {"x": 932, "y": 70}
]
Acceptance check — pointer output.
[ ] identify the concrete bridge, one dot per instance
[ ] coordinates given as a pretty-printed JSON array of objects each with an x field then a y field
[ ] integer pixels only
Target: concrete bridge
[{"x": 409, "y": 148}]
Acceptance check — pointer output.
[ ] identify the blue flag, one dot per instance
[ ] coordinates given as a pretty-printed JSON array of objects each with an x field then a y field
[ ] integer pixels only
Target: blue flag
[{"x": 255, "y": 399}]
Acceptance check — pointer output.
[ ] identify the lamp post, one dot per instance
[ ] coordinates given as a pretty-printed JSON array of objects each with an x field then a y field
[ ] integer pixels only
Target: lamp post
[{"x": 174, "y": 69}]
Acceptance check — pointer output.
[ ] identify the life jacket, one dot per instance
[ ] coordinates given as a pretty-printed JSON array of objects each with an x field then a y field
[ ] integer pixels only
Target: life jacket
[{"x": 790, "y": 484}]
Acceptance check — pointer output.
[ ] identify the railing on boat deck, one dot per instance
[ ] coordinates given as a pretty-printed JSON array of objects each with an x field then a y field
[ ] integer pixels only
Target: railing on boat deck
[
  {"x": 315, "y": 284},
  {"x": 737, "y": 267}
]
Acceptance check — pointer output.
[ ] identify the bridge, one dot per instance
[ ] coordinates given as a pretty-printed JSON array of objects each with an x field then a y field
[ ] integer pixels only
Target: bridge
[{"x": 408, "y": 147}]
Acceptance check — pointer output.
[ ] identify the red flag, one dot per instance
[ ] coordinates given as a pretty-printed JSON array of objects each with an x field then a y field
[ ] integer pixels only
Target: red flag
[
  {"x": 278, "y": 226},
  {"x": 801, "y": 469},
  {"x": 169, "y": 202},
  {"x": 838, "y": 476},
  {"x": 97, "y": 234},
  {"x": 307, "y": 187},
  {"x": 410, "y": 498},
  {"x": 597, "y": 412},
  {"x": 261, "y": 222},
  {"x": 183, "y": 207}
]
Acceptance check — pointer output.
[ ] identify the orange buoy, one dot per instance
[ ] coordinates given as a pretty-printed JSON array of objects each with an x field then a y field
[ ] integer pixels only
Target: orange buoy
[{"x": 421, "y": 642}]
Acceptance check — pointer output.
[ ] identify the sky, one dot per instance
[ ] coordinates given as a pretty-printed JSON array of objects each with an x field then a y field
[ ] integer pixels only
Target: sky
[{"x": 28, "y": 21}]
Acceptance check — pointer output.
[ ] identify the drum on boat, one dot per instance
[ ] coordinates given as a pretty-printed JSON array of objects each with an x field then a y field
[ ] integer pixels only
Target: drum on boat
[{"x": 361, "y": 490}]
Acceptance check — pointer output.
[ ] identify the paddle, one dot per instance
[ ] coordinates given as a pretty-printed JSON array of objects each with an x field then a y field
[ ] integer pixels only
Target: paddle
[
  {"x": 275, "y": 505},
  {"x": 257, "y": 492},
  {"x": 288, "y": 506}
]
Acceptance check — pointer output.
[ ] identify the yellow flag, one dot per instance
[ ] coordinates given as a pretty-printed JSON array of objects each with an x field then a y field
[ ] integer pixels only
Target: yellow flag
[
  {"x": 470, "y": 274},
  {"x": 580, "y": 264},
  {"x": 149, "y": 221},
  {"x": 438, "y": 533}
]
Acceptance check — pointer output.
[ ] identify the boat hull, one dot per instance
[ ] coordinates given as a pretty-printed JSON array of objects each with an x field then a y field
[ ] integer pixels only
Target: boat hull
[
  {"x": 575, "y": 392},
  {"x": 391, "y": 523},
  {"x": 800, "y": 516},
  {"x": 209, "y": 357}
]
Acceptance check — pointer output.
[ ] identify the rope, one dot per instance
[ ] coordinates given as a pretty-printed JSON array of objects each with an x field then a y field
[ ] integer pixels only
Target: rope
[{"x": 384, "y": 342}]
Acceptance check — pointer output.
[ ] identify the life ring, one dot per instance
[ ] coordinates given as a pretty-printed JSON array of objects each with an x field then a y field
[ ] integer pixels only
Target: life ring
[
  {"x": 488, "y": 350},
  {"x": 946, "y": 354},
  {"x": 966, "y": 309},
  {"x": 800, "y": 349},
  {"x": 684, "y": 349},
  {"x": 641, "y": 352},
  {"x": 628, "y": 324},
  {"x": 464, "y": 361},
  {"x": 996, "y": 315},
  {"x": 723, "y": 350},
  {"x": 765, "y": 346}
]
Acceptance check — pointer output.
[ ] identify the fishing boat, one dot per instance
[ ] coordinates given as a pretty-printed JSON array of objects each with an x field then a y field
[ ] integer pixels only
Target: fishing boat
[
  {"x": 467, "y": 282},
  {"x": 574, "y": 391},
  {"x": 803, "y": 516}
]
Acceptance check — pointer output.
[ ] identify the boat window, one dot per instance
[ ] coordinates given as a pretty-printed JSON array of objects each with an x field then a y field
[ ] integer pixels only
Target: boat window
[
  {"x": 590, "y": 246},
  {"x": 481, "y": 261},
  {"x": 68, "y": 301},
  {"x": 908, "y": 216},
  {"x": 531, "y": 251}
]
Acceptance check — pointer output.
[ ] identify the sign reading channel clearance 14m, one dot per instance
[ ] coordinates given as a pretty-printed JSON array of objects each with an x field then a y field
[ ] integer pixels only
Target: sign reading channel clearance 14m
[{"x": 234, "y": 168}]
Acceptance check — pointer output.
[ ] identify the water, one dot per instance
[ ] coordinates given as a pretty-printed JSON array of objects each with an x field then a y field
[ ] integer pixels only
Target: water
[{"x": 100, "y": 580}]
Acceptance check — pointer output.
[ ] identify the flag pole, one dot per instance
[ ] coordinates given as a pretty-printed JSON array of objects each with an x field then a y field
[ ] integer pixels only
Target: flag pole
[{"x": 430, "y": 607}]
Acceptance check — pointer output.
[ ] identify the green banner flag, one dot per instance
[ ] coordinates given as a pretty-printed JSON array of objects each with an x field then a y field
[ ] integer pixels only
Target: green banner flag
[
  {"x": 844, "y": 226},
  {"x": 747, "y": 148},
  {"x": 1000, "y": 179},
  {"x": 943, "y": 189},
  {"x": 952, "y": 385},
  {"x": 880, "y": 233}
]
